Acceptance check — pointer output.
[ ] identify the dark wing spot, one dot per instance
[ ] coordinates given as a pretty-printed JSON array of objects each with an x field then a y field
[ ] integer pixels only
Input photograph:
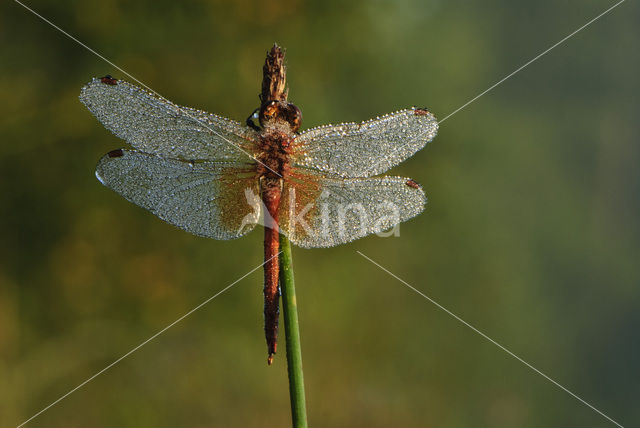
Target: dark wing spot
[
  {"x": 108, "y": 80},
  {"x": 421, "y": 112},
  {"x": 117, "y": 153},
  {"x": 414, "y": 184}
]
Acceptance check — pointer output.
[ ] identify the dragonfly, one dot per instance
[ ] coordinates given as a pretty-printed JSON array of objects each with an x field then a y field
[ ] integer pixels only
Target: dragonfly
[{"x": 218, "y": 178}]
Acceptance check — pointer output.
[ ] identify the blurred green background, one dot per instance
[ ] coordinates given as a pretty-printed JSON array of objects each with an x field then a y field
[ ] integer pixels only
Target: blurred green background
[{"x": 532, "y": 232}]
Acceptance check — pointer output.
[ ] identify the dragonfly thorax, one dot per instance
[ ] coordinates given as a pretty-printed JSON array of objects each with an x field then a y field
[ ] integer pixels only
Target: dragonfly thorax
[
  {"x": 274, "y": 152},
  {"x": 280, "y": 120}
]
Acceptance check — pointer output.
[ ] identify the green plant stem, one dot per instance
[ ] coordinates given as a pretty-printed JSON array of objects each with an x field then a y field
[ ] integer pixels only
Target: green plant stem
[{"x": 292, "y": 336}]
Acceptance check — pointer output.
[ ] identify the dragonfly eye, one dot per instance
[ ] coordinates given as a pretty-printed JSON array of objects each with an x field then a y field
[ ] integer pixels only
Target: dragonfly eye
[
  {"x": 294, "y": 116},
  {"x": 269, "y": 112}
]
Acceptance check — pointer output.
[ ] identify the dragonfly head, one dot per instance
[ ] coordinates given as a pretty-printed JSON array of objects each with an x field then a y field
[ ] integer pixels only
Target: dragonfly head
[{"x": 281, "y": 111}]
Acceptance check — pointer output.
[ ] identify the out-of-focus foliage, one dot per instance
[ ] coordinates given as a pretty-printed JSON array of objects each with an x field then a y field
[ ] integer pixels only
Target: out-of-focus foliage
[{"x": 532, "y": 232}]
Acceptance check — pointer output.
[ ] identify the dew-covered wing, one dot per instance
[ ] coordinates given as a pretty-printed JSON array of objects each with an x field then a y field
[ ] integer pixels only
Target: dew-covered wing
[
  {"x": 318, "y": 211},
  {"x": 153, "y": 124},
  {"x": 368, "y": 148},
  {"x": 211, "y": 199}
]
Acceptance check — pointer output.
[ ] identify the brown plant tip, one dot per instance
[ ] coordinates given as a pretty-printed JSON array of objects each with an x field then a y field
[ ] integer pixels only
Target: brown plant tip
[
  {"x": 270, "y": 359},
  {"x": 117, "y": 153},
  {"x": 413, "y": 183},
  {"x": 108, "y": 80},
  {"x": 421, "y": 112},
  {"x": 274, "y": 83}
]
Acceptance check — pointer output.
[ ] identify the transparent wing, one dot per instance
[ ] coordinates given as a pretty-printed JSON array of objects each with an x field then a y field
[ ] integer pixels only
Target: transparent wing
[
  {"x": 207, "y": 198},
  {"x": 322, "y": 212},
  {"x": 153, "y": 124},
  {"x": 368, "y": 148}
]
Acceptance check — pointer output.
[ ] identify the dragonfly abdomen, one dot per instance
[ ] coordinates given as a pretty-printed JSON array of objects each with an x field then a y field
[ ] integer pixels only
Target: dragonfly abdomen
[{"x": 271, "y": 191}]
